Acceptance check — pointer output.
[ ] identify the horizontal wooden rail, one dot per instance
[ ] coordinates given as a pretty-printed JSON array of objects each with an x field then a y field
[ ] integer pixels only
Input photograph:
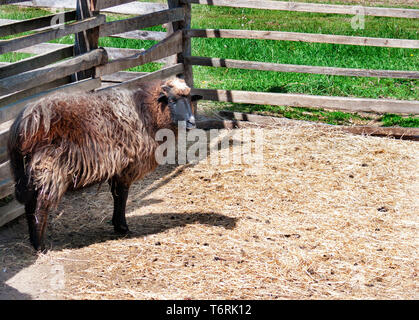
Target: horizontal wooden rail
[
  {"x": 50, "y": 34},
  {"x": 157, "y": 75},
  {"x": 311, "y": 7},
  {"x": 266, "y": 66},
  {"x": 103, "y": 4},
  {"x": 10, "y": 111},
  {"x": 125, "y": 7},
  {"x": 16, "y": 96},
  {"x": 6, "y": 187},
  {"x": 122, "y": 76},
  {"x": 47, "y": 74},
  {"x": 44, "y": 48},
  {"x": 10, "y": 212},
  {"x": 35, "y": 23},
  {"x": 5, "y": 172},
  {"x": 4, "y": 135},
  {"x": 6, "y": 181},
  {"x": 134, "y": 34},
  {"x": 141, "y": 22},
  {"x": 302, "y": 100},
  {"x": 397, "y": 132},
  {"x": 2, "y": 2},
  {"x": 141, "y": 35},
  {"x": 304, "y": 37},
  {"x": 36, "y": 62},
  {"x": 119, "y": 53},
  {"x": 169, "y": 46}
]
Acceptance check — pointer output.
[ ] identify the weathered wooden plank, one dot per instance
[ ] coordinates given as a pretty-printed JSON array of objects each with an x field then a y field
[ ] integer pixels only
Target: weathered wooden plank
[
  {"x": 6, "y": 181},
  {"x": 3, "y": 153},
  {"x": 50, "y": 34},
  {"x": 5, "y": 172},
  {"x": 265, "y": 66},
  {"x": 10, "y": 212},
  {"x": 47, "y": 74},
  {"x": 70, "y": 4},
  {"x": 122, "y": 76},
  {"x": 396, "y": 132},
  {"x": 312, "y": 7},
  {"x": 157, "y": 75},
  {"x": 6, "y": 187},
  {"x": 301, "y": 100},
  {"x": 42, "y": 48},
  {"x": 119, "y": 53},
  {"x": 134, "y": 8},
  {"x": 103, "y": 4},
  {"x": 11, "y": 1},
  {"x": 141, "y": 35},
  {"x": 135, "y": 34},
  {"x": 4, "y": 132},
  {"x": 36, "y": 23},
  {"x": 167, "y": 47},
  {"x": 35, "y": 62},
  {"x": 11, "y": 98},
  {"x": 304, "y": 37},
  {"x": 4, "y": 135},
  {"x": 10, "y": 111},
  {"x": 7, "y": 21},
  {"x": 113, "y": 53},
  {"x": 141, "y": 22}
]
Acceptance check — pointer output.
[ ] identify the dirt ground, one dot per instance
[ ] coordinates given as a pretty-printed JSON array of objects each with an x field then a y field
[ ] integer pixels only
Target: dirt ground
[{"x": 328, "y": 216}]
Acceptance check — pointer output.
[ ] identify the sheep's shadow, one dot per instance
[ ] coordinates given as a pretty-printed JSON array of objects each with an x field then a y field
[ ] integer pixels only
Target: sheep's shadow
[
  {"x": 140, "y": 226},
  {"x": 16, "y": 253}
]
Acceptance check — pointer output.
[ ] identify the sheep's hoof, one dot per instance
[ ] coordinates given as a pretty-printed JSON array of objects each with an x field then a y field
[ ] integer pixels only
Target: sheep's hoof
[
  {"x": 39, "y": 248},
  {"x": 122, "y": 229}
]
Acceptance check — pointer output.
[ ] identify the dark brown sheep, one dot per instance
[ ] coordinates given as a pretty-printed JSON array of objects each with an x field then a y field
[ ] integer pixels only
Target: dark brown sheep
[{"x": 70, "y": 141}]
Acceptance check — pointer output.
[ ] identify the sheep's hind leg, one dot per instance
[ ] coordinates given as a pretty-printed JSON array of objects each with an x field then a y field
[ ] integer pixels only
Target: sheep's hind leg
[
  {"x": 36, "y": 216},
  {"x": 120, "y": 195},
  {"x": 30, "y": 207}
]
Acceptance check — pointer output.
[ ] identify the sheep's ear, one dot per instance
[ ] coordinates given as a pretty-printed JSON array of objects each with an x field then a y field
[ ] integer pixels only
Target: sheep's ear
[
  {"x": 163, "y": 98},
  {"x": 196, "y": 97}
]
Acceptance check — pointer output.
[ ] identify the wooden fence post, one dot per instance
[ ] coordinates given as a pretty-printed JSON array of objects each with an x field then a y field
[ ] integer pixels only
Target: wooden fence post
[
  {"x": 186, "y": 40},
  {"x": 88, "y": 40}
]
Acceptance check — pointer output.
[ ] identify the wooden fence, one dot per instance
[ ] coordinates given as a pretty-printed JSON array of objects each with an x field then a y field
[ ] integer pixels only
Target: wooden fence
[{"x": 83, "y": 66}]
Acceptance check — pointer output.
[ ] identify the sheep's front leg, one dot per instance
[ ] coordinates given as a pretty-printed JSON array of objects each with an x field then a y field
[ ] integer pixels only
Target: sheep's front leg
[
  {"x": 120, "y": 195},
  {"x": 36, "y": 216}
]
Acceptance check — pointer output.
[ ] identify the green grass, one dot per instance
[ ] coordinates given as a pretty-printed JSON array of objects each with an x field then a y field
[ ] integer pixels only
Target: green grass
[
  {"x": 14, "y": 56},
  {"x": 390, "y": 120},
  {"x": 288, "y": 52}
]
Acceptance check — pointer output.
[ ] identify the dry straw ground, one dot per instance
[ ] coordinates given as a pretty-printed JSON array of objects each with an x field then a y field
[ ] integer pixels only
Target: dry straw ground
[{"x": 332, "y": 216}]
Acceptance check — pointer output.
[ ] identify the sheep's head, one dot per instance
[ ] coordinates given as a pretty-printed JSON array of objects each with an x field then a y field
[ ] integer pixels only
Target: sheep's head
[{"x": 176, "y": 95}]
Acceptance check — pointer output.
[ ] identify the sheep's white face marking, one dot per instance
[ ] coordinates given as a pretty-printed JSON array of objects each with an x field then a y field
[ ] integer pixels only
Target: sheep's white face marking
[{"x": 179, "y": 84}]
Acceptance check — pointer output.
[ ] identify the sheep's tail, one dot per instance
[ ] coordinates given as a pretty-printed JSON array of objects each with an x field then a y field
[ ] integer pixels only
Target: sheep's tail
[{"x": 24, "y": 190}]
